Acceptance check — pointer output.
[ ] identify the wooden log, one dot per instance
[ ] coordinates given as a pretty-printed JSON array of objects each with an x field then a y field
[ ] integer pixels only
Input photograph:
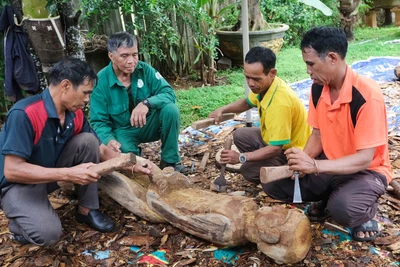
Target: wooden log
[
  {"x": 282, "y": 234},
  {"x": 207, "y": 122},
  {"x": 203, "y": 162},
  {"x": 106, "y": 167},
  {"x": 130, "y": 195},
  {"x": 102, "y": 168}
]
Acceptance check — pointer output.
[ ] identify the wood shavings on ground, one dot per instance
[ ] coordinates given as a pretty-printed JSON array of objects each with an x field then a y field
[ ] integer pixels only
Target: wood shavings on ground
[{"x": 134, "y": 237}]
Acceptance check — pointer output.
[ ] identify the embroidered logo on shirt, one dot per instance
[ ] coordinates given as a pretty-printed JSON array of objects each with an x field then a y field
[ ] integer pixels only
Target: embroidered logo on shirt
[
  {"x": 158, "y": 75},
  {"x": 140, "y": 83}
]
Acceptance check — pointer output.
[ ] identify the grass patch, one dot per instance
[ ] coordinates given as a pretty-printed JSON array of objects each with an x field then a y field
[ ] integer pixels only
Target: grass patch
[{"x": 197, "y": 103}]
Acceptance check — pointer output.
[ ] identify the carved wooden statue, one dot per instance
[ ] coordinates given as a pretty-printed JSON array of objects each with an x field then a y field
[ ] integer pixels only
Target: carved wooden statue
[
  {"x": 348, "y": 16},
  {"x": 282, "y": 234}
]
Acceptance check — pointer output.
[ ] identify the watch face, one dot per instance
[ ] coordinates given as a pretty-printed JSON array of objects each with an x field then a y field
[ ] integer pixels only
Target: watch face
[
  {"x": 242, "y": 158},
  {"x": 146, "y": 102}
]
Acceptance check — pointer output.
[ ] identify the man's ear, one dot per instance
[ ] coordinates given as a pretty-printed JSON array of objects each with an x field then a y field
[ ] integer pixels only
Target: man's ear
[
  {"x": 110, "y": 56},
  {"x": 333, "y": 57},
  {"x": 272, "y": 72},
  {"x": 65, "y": 85}
]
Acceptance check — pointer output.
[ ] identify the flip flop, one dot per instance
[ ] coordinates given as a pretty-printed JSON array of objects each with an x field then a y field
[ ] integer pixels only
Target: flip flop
[{"x": 370, "y": 226}]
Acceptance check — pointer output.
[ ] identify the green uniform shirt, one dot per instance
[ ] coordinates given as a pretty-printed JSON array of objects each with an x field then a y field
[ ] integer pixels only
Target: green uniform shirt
[{"x": 109, "y": 102}]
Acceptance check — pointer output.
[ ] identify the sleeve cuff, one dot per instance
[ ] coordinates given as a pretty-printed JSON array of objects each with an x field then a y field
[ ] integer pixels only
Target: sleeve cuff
[
  {"x": 249, "y": 102},
  {"x": 280, "y": 142}
]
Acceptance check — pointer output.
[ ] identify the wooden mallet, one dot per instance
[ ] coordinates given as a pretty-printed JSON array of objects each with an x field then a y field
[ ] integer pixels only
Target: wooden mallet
[
  {"x": 200, "y": 124},
  {"x": 272, "y": 174},
  {"x": 220, "y": 182}
]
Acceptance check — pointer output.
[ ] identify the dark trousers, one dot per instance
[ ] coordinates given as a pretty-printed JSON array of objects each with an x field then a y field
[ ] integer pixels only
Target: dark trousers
[
  {"x": 352, "y": 199},
  {"x": 248, "y": 140},
  {"x": 27, "y": 206},
  {"x": 161, "y": 124}
]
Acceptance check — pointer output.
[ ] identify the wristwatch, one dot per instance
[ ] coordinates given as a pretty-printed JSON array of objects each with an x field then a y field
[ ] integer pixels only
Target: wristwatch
[
  {"x": 242, "y": 158},
  {"x": 146, "y": 103}
]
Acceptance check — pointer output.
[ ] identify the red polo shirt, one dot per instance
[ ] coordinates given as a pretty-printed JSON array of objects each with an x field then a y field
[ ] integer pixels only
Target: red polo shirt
[{"x": 357, "y": 120}]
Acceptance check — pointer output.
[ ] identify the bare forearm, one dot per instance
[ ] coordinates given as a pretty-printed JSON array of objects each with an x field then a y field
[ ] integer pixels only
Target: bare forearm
[
  {"x": 236, "y": 107},
  {"x": 349, "y": 164},
  {"x": 313, "y": 147},
  {"x": 26, "y": 173},
  {"x": 264, "y": 153}
]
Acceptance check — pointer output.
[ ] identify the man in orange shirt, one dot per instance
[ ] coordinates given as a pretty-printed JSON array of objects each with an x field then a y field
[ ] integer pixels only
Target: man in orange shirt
[{"x": 345, "y": 162}]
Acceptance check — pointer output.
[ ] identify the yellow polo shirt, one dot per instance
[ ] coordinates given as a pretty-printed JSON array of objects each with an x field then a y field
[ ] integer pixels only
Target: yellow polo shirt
[{"x": 283, "y": 117}]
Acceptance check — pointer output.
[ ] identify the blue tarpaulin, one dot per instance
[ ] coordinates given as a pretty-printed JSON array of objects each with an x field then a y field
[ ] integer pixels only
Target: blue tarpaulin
[{"x": 380, "y": 69}]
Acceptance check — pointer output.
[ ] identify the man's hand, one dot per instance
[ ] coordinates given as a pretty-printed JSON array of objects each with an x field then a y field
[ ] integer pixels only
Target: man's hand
[
  {"x": 144, "y": 167},
  {"x": 216, "y": 114},
  {"x": 229, "y": 156},
  {"x": 138, "y": 117},
  {"x": 81, "y": 174},
  {"x": 298, "y": 160},
  {"x": 114, "y": 145}
]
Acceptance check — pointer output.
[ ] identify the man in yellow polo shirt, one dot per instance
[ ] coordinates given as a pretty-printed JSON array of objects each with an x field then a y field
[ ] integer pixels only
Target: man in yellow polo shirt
[{"x": 283, "y": 118}]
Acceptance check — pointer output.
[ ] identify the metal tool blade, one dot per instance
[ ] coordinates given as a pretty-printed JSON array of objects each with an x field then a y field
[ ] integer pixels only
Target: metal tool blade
[{"x": 297, "y": 192}]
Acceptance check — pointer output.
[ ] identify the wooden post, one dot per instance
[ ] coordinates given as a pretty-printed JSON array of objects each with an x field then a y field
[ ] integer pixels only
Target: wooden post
[
  {"x": 370, "y": 19},
  {"x": 396, "y": 12}
]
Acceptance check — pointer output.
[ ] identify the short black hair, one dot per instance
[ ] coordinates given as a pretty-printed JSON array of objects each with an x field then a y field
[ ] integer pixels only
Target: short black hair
[
  {"x": 72, "y": 69},
  {"x": 120, "y": 39},
  {"x": 325, "y": 39},
  {"x": 263, "y": 55}
]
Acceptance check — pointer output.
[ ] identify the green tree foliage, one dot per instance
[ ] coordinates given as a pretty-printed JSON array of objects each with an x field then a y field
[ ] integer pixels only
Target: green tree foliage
[
  {"x": 164, "y": 28},
  {"x": 300, "y": 17}
]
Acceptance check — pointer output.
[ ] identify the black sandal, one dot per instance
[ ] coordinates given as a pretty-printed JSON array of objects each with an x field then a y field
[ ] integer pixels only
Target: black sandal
[
  {"x": 178, "y": 167},
  {"x": 370, "y": 226}
]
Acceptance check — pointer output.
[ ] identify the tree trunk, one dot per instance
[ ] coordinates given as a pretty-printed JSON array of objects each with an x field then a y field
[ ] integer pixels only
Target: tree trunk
[
  {"x": 256, "y": 18},
  {"x": 70, "y": 18},
  {"x": 282, "y": 234}
]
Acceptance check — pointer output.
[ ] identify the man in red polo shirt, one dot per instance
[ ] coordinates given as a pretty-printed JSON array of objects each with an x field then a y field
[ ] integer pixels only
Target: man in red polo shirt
[
  {"x": 47, "y": 139},
  {"x": 345, "y": 161}
]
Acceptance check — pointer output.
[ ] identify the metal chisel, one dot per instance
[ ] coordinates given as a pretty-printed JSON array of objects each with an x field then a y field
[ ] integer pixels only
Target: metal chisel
[{"x": 297, "y": 193}]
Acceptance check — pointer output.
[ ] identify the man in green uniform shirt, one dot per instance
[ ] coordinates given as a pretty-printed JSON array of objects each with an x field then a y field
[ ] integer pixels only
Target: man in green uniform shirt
[{"x": 133, "y": 104}]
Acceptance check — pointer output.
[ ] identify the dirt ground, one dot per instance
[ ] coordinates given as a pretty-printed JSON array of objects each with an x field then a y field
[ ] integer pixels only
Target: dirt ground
[{"x": 81, "y": 246}]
